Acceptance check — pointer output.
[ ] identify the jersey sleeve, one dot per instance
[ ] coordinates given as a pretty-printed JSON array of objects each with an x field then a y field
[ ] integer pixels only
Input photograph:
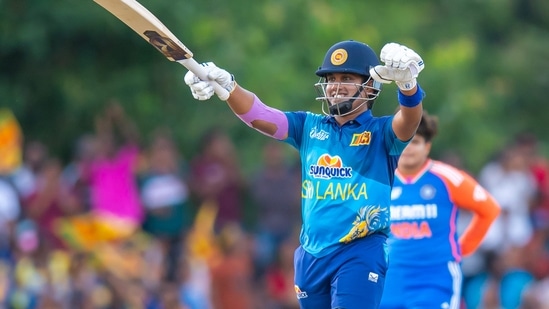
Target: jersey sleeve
[
  {"x": 296, "y": 121},
  {"x": 470, "y": 195}
]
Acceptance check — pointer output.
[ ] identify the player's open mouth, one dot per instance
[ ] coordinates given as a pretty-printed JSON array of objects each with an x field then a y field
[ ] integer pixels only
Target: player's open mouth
[{"x": 338, "y": 99}]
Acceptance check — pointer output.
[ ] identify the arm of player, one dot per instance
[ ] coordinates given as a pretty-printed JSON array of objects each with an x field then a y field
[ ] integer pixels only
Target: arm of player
[
  {"x": 406, "y": 120},
  {"x": 471, "y": 196},
  {"x": 244, "y": 103},
  {"x": 265, "y": 119}
]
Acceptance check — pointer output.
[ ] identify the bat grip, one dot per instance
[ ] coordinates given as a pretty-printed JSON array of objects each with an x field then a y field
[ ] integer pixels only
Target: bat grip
[{"x": 199, "y": 71}]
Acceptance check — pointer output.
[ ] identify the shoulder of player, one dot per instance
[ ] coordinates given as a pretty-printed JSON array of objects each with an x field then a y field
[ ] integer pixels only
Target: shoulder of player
[
  {"x": 450, "y": 173},
  {"x": 306, "y": 115}
]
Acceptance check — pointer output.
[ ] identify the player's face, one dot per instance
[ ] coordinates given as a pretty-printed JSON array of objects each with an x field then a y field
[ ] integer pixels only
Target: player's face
[
  {"x": 415, "y": 154},
  {"x": 342, "y": 86}
]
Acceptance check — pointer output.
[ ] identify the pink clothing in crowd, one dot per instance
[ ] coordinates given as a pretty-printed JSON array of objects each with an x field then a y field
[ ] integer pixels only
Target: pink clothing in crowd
[{"x": 114, "y": 189}]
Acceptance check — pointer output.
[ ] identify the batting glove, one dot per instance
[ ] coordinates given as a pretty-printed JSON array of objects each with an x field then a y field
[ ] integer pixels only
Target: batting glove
[
  {"x": 203, "y": 90},
  {"x": 402, "y": 65}
]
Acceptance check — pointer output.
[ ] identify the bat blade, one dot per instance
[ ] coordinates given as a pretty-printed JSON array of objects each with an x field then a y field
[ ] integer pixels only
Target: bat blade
[
  {"x": 148, "y": 26},
  {"x": 152, "y": 30}
]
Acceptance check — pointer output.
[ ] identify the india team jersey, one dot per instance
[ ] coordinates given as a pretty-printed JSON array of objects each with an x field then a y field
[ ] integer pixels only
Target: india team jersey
[
  {"x": 347, "y": 173},
  {"x": 424, "y": 210}
]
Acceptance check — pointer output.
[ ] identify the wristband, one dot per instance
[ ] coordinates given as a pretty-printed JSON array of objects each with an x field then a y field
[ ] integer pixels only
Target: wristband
[{"x": 411, "y": 100}]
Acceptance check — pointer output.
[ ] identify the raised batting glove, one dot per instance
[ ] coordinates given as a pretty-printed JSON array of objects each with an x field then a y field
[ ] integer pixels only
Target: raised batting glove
[
  {"x": 203, "y": 90},
  {"x": 402, "y": 65}
]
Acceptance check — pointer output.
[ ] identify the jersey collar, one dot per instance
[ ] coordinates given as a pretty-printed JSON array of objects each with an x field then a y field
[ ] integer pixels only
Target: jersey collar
[
  {"x": 409, "y": 179},
  {"x": 360, "y": 119}
]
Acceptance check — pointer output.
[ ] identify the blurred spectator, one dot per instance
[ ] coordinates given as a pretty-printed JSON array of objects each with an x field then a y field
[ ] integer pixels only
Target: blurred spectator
[
  {"x": 279, "y": 278},
  {"x": 11, "y": 142},
  {"x": 510, "y": 180},
  {"x": 201, "y": 250},
  {"x": 51, "y": 201},
  {"x": 112, "y": 173},
  {"x": 116, "y": 210},
  {"x": 194, "y": 283},
  {"x": 232, "y": 273},
  {"x": 73, "y": 172},
  {"x": 537, "y": 295},
  {"x": 11, "y": 148},
  {"x": 216, "y": 176},
  {"x": 10, "y": 209},
  {"x": 502, "y": 285},
  {"x": 276, "y": 199},
  {"x": 87, "y": 289},
  {"x": 30, "y": 267},
  {"x": 511, "y": 183},
  {"x": 165, "y": 196},
  {"x": 169, "y": 297},
  {"x": 528, "y": 145},
  {"x": 35, "y": 153},
  {"x": 536, "y": 253}
]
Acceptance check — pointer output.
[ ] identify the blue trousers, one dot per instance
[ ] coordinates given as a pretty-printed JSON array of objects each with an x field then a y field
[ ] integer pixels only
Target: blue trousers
[
  {"x": 430, "y": 286},
  {"x": 352, "y": 277}
]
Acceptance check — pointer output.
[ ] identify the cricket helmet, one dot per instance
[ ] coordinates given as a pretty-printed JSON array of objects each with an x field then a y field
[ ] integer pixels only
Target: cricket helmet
[{"x": 348, "y": 57}]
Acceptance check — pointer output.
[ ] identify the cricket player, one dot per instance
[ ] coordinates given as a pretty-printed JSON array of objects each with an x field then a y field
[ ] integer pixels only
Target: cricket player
[
  {"x": 425, "y": 249},
  {"x": 348, "y": 159}
]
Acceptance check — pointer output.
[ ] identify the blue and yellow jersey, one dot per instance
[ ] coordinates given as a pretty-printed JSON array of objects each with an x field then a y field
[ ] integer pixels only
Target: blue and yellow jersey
[
  {"x": 424, "y": 210},
  {"x": 347, "y": 173}
]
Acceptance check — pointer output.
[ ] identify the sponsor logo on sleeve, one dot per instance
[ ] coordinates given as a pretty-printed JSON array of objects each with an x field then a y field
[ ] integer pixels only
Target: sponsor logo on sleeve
[{"x": 299, "y": 293}]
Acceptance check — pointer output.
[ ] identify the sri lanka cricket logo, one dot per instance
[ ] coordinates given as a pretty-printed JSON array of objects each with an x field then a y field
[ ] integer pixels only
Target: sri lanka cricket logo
[
  {"x": 339, "y": 56},
  {"x": 368, "y": 220}
]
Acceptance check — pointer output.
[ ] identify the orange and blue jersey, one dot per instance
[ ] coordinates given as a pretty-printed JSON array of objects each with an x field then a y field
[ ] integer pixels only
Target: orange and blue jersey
[
  {"x": 347, "y": 174},
  {"x": 424, "y": 211},
  {"x": 425, "y": 248}
]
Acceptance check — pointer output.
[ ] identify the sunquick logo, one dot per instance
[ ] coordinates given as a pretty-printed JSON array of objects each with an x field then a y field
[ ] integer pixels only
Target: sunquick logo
[
  {"x": 329, "y": 167},
  {"x": 320, "y": 135}
]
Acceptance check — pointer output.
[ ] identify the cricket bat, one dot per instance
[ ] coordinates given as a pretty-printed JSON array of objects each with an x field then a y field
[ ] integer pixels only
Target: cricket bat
[{"x": 150, "y": 28}]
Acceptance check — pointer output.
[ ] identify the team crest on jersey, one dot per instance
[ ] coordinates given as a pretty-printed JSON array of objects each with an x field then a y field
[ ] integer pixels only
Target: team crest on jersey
[
  {"x": 427, "y": 192},
  {"x": 329, "y": 167},
  {"x": 361, "y": 139}
]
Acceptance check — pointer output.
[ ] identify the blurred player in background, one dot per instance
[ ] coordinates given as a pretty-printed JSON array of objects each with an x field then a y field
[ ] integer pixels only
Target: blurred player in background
[
  {"x": 348, "y": 159},
  {"x": 425, "y": 249}
]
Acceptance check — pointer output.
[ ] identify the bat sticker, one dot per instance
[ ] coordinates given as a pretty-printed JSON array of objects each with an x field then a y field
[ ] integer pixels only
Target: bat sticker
[{"x": 166, "y": 46}]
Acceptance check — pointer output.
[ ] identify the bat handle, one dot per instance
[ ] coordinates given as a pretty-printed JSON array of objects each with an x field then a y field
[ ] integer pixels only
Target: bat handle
[{"x": 199, "y": 71}]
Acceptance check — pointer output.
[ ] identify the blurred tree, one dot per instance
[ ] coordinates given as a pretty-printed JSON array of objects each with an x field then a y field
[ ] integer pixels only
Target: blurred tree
[{"x": 487, "y": 64}]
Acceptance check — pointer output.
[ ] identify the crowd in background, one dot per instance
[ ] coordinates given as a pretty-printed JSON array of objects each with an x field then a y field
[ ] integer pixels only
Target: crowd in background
[
  {"x": 511, "y": 268},
  {"x": 130, "y": 223}
]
